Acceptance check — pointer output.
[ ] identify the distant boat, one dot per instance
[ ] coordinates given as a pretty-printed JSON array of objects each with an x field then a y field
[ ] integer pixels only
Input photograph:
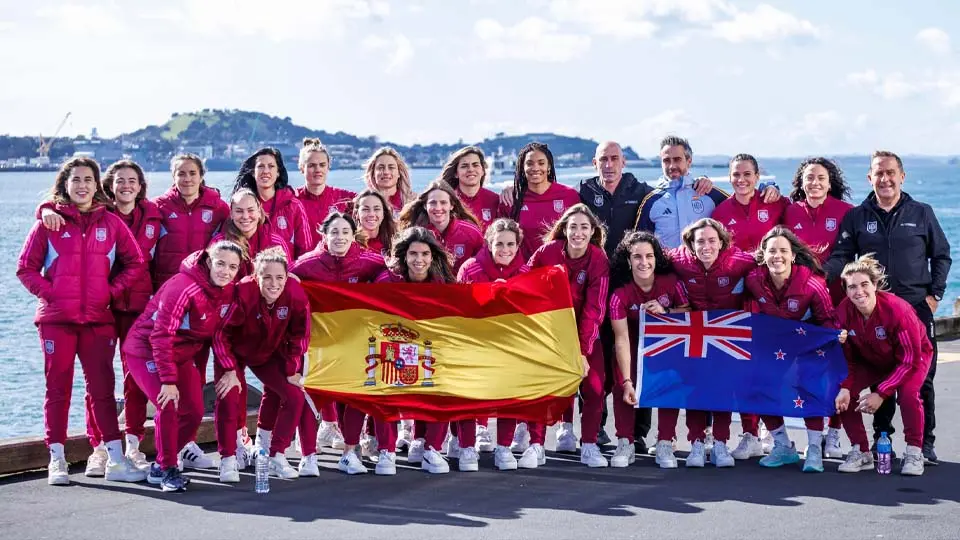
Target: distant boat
[{"x": 500, "y": 163}]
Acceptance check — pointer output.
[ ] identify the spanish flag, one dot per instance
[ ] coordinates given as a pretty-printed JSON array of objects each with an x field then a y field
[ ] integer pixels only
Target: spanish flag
[{"x": 441, "y": 352}]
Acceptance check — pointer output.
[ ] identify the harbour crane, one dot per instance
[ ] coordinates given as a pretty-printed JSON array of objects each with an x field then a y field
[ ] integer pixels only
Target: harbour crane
[{"x": 44, "y": 149}]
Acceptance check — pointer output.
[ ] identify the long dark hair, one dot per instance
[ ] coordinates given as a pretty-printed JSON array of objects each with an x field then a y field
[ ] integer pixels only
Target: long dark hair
[
  {"x": 58, "y": 193},
  {"x": 449, "y": 172},
  {"x": 838, "y": 185},
  {"x": 246, "y": 177},
  {"x": 620, "y": 272},
  {"x": 111, "y": 173},
  {"x": 440, "y": 267},
  {"x": 520, "y": 176},
  {"x": 415, "y": 212},
  {"x": 802, "y": 254},
  {"x": 388, "y": 227}
]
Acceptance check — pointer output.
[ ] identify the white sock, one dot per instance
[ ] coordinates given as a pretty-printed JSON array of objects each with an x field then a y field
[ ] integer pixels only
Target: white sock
[
  {"x": 833, "y": 431},
  {"x": 56, "y": 451},
  {"x": 780, "y": 436},
  {"x": 814, "y": 436},
  {"x": 115, "y": 451},
  {"x": 263, "y": 437},
  {"x": 913, "y": 450},
  {"x": 133, "y": 443},
  {"x": 329, "y": 424}
]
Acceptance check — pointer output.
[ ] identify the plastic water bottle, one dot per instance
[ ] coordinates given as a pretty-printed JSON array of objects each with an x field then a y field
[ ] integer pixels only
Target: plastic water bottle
[
  {"x": 884, "y": 454},
  {"x": 262, "y": 483}
]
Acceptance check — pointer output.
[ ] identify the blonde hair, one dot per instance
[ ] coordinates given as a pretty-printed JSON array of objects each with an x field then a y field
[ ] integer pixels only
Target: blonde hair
[
  {"x": 703, "y": 223},
  {"x": 274, "y": 254},
  {"x": 309, "y": 146},
  {"x": 868, "y": 265},
  {"x": 231, "y": 231},
  {"x": 403, "y": 172}
]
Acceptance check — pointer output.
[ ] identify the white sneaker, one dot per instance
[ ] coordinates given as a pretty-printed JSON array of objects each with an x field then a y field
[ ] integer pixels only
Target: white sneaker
[
  {"x": 625, "y": 455},
  {"x": 766, "y": 439},
  {"x": 591, "y": 457},
  {"x": 434, "y": 463},
  {"x": 57, "y": 473},
  {"x": 280, "y": 467},
  {"x": 857, "y": 461},
  {"x": 416, "y": 450},
  {"x": 244, "y": 458},
  {"x": 697, "y": 454},
  {"x": 329, "y": 435},
  {"x": 351, "y": 464},
  {"x": 369, "y": 447},
  {"x": 831, "y": 445},
  {"x": 521, "y": 438},
  {"x": 229, "y": 471},
  {"x": 469, "y": 460},
  {"x": 720, "y": 456},
  {"x": 386, "y": 464},
  {"x": 912, "y": 464},
  {"x": 404, "y": 435},
  {"x": 503, "y": 459},
  {"x": 133, "y": 453},
  {"x": 665, "y": 457},
  {"x": 124, "y": 471},
  {"x": 532, "y": 457},
  {"x": 566, "y": 440},
  {"x": 97, "y": 462},
  {"x": 453, "y": 448},
  {"x": 749, "y": 447},
  {"x": 308, "y": 466},
  {"x": 484, "y": 440},
  {"x": 195, "y": 458}
]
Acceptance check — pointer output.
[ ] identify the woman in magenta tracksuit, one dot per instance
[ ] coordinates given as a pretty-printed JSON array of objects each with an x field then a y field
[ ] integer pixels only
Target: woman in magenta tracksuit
[
  {"x": 267, "y": 329},
  {"x": 247, "y": 227},
  {"x": 265, "y": 174},
  {"x": 318, "y": 198},
  {"x": 418, "y": 258},
  {"x": 341, "y": 259},
  {"x": 818, "y": 208},
  {"x": 180, "y": 321},
  {"x": 886, "y": 345},
  {"x": 712, "y": 271},
  {"x": 442, "y": 213},
  {"x": 466, "y": 172},
  {"x": 745, "y": 214},
  {"x": 787, "y": 285},
  {"x": 640, "y": 264},
  {"x": 77, "y": 273},
  {"x": 386, "y": 173},
  {"x": 576, "y": 242},
  {"x": 497, "y": 262}
]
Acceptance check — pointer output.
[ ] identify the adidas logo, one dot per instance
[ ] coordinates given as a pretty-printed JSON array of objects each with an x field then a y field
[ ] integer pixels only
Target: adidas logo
[
  {"x": 667, "y": 212},
  {"x": 732, "y": 222},
  {"x": 692, "y": 280},
  {"x": 173, "y": 215},
  {"x": 797, "y": 227},
  {"x": 66, "y": 234},
  {"x": 524, "y": 208},
  {"x": 203, "y": 317},
  {"x": 634, "y": 307}
]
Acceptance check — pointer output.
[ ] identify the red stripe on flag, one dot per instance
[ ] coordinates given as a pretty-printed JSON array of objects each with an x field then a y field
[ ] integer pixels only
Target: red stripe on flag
[{"x": 541, "y": 290}]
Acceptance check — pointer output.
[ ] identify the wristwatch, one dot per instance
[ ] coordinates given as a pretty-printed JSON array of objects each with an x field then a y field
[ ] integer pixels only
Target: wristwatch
[{"x": 938, "y": 297}]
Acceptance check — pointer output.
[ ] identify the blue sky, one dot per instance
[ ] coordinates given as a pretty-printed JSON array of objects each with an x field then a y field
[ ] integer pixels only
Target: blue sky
[{"x": 775, "y": 78}]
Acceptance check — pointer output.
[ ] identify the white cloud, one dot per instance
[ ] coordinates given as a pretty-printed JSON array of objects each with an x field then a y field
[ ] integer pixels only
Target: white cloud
[
  {"x": 645, "y": 135},
  {"x": 892, "y": 86},
  {"x": 934, "y": 39},
  {"x": 398, "y": 50},
  {"x": 6, "y": 25},
  {"x": 80, "y": 18},
  {"x": 531, "y": 39},
  {"x": 765, "y": 24}
]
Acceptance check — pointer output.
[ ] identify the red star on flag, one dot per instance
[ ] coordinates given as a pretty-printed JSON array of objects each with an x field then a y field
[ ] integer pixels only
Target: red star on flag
[
  {"x": 821, "y": 353},
  {"x": 780, "y": 354},
  {"x": 798, "y": 403},
  {"x": 801, "y": 331}
]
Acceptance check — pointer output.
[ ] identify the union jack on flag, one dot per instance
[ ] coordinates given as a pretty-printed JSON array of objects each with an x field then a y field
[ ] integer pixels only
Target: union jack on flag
[{"x": 728, "y": 332}]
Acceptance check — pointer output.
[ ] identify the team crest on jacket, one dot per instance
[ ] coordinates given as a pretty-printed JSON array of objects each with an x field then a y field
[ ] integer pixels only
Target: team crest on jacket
[
  {"x": 353, "y": 280},
  {"x": 763, "y": 215},
  {"x": 793, "y": 304},
  {"x": 101, "y": 234},
  {"x": 151, "y": 366},
  {"x": 402, "y": 353},
  {"x": 881, "y": 332},
  {"x": 282, "y": 312},
  {"x": 598, "y": 200},
  {"x": 557, "y": 206},
  {"x": 871, "y": 227},
  {"x": 723, "y": 281},
  {"x": 459, "y": 250},
  {"x": 831, "y": 224},
  {"x": 206, "y": 215},
  {"x": 48, "y": 346},
  {"x": 582, "y": 277},
  {"x": 150, "y": 231},
  {"x": 223, "y": 310},
  {"x": 487, "y": 214},
  {"x": 664, "y": 300},
  {"x": 697, "y": 206},
  {"x": 281, "y": 222}
]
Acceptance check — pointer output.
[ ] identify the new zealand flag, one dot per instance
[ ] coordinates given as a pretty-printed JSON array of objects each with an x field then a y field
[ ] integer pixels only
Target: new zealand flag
[{"x": 738, "y": 361}]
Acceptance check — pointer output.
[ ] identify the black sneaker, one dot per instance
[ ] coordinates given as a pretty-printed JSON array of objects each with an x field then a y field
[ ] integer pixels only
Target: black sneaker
[
  {"x": 603, "y": 439},
  {"x": 929, "y": 455},
  {"x": 173, "y": 481},
  {"x": 156, "y": 474},
  {"x": 640, "y": 446}
]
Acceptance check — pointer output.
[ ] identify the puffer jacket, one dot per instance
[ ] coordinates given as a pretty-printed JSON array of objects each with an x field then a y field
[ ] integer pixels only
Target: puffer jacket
[{"x": 185, "y": 229}]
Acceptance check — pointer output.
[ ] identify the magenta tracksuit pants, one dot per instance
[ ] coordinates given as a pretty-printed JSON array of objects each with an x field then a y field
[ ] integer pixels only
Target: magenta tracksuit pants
[
  {"x": 591, "y": 391},
  {"x": 908, "y": 397},
  {"x": 95, "y": 346},
  {"x": 134, "y": 402},
  {"x": 174, "y": 425},
  {"x": 289, "y": 412}
]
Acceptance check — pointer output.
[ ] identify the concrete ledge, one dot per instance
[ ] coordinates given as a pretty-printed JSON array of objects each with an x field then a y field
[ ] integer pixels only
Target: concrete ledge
[
  {"x": 30, "y": 453},
  {"x": 947, "y": 327}
]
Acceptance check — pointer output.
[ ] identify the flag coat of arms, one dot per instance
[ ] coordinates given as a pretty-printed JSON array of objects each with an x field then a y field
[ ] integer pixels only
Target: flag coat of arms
[
  {"x": 444, "y": 352},
  {"x": 738, "y": 361}
]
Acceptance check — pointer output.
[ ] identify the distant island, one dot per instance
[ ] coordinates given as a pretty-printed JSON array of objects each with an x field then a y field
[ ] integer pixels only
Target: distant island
[{"x": 223, "y": 138}]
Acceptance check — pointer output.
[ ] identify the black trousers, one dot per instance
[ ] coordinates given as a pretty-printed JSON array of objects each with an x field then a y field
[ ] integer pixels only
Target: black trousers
[{"x": 883, "y": 418}]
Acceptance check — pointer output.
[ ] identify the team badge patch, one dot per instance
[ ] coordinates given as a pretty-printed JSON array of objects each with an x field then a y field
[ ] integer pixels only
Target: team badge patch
[
  {"x": 459, "y": 250},
  {"x": 101, "y": 234},
  {"x": 664, "y": 300},
  {"x": 582, "y": 277},
  {"x": 151, "y": 366},
  {"x": 48, "y": 346},
  {"x": 206, "y": 216},
  {"x": 281, "y": 222},
  {"x": 763, "y": 216},
  {"x": 558, "y": 206},
  {"x": 793, "y": 305},
  {"x": 723, "y": 281},
  {"x": 871, "y": 227},
  {"x": 282, "y": 312},
  {"x": 881, "y": 332},
  {"x": 697, "y": 206},
  {"x": 487, "y": 214},
  {"x": 150, "y": 231},
  {"x": 598, "y": 200},
  {"x": 352, "y": 280},
  {"x": 831, "y": 224}
]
